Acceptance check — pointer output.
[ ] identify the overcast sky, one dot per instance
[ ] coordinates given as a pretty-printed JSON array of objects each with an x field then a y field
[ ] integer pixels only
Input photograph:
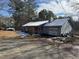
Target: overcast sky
[
  {"x": 57, "y": 8},
  {"x": 53, "y": 5}
]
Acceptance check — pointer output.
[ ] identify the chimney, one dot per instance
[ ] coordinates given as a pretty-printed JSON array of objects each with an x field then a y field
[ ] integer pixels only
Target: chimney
[{"x": 51, "y": 20}]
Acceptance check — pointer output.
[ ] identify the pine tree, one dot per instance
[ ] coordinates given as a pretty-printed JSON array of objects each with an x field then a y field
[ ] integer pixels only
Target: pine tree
[{"x": 46, "y": 14}]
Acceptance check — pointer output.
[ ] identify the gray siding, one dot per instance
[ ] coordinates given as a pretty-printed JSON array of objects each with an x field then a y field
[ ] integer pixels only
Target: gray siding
[
  {"x": 52, "y": 30},
  {"x": 66, "y": 28}
]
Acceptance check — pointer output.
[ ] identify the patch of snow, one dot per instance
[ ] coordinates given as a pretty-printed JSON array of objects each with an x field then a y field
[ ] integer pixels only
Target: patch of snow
[{"x": 22, "y": 34}]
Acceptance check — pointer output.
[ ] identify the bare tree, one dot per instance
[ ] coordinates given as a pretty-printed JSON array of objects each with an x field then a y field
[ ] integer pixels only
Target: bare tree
[
  {"x": 75, "y": 6},
  {"x": 22, "y": 10}
]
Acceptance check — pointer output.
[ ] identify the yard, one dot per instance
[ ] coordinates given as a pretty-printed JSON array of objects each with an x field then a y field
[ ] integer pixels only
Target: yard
[
  {"x": 6, "y": 34},
  {"x": 39, "y": 48}
]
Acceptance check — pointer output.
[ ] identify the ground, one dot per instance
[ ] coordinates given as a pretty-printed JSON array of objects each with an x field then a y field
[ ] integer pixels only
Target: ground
[
  {"x": 40, "y": 48},
  {"x": 6, "y": 34}
]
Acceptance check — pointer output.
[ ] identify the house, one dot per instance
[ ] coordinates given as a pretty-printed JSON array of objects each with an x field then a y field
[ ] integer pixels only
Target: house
[
  {"x": 34, "y": 27},
  {"x": 56, "y": 27}
]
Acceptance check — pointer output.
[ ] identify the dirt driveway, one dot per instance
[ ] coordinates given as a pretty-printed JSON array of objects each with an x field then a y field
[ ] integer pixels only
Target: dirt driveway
[{"x": 25, "y": 49}]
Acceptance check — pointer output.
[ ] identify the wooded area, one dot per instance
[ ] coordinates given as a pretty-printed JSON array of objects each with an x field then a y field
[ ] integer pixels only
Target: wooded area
[{"x": 24, "y": 11}]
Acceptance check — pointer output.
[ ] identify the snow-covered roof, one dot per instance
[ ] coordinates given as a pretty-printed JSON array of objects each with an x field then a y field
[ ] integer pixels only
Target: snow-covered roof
[
  {"x": 38, "y": 23},
  {"x": 57, "y": 22}
]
